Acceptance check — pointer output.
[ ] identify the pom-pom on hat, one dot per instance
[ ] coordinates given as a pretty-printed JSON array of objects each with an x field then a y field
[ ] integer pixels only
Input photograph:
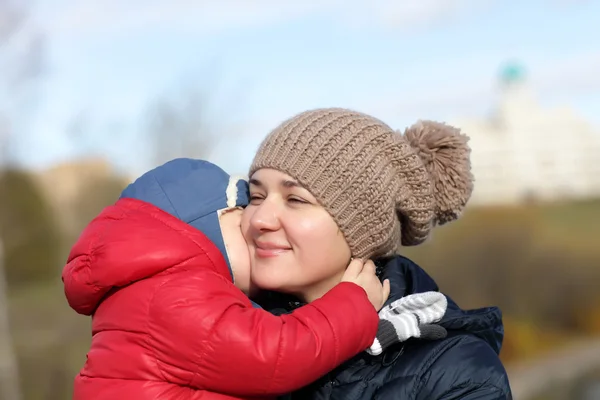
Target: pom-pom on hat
[{"x": 382, "y": 188}]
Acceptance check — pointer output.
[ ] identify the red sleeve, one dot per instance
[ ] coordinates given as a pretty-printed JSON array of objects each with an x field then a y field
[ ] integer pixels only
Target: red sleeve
[{"x": 207, "y": 335}]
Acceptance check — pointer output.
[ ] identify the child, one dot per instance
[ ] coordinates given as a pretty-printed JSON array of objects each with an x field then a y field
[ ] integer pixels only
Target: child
[{"x": 155, "y": 273}]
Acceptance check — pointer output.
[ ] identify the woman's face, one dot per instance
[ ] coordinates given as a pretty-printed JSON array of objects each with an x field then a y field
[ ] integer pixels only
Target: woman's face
[{"x": 295, "y": 246}]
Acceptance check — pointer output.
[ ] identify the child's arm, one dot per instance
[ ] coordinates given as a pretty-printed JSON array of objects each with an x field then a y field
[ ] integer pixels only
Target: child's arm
[{"x": 207, "y": 335}]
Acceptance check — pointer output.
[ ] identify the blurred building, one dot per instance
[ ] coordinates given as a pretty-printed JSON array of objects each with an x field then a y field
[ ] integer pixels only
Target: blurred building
[
  {"x": 63, "y": 182},
  {"x": 525, "y": 152},
  {"x": 78, "y": 189}
]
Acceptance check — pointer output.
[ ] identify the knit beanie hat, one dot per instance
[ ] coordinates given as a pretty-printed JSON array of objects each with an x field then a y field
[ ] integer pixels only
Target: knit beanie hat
[{"x": 382, "y": 188}]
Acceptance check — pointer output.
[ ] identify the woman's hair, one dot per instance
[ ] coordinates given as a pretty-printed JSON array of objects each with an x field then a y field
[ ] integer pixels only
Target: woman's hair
[{"x": 381, "y": 187}]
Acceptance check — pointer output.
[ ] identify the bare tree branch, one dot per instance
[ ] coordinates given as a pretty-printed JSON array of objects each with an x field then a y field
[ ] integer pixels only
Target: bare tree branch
[
  {"x": 11, "y": 19},
  {"x": 29, "y": 64},
  {"x": 22, "y": 54},
  {"x": 179, "y": 128}
]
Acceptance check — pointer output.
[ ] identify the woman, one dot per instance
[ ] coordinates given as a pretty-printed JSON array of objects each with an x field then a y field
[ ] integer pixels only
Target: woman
[{"x": 342, "y": 183}]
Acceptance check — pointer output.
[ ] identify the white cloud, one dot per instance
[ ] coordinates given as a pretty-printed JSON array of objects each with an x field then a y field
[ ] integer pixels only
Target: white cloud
[
  {"x": 117, "y": 17},
  {"x": 408, "y": 15},
  {"x": 549, "y": 78},
  {"x": 426, "y": 98},
  {"x": 577, "y": 74}
]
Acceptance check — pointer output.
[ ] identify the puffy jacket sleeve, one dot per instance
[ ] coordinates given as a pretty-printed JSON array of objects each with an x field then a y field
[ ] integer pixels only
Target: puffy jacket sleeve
[{"x": 206, "y": 334}]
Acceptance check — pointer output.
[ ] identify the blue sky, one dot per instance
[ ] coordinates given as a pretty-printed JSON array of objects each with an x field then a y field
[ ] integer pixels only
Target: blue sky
[{"x": 261, "y": 61}]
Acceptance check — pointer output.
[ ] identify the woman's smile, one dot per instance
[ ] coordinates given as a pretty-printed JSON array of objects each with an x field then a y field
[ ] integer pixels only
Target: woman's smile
[{"x": 269, "y": 249}]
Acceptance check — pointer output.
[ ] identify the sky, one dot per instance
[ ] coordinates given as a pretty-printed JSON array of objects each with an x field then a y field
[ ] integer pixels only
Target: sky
[{"x": 258, "y": 62}]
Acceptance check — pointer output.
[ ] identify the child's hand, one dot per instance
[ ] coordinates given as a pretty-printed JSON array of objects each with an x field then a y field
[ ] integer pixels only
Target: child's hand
[{"x": 363, "y": 274}]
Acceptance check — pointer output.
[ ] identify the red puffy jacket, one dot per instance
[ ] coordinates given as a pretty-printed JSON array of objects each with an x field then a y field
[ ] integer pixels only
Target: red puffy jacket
[{"x": 168, "y": 323}]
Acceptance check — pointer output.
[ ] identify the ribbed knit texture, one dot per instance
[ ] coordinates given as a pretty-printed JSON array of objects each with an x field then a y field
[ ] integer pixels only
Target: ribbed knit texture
[{"x": 378, "y": 185}]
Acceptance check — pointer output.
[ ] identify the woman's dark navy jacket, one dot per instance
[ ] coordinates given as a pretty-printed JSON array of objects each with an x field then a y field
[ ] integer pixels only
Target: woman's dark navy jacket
[{"x": 465, "y": 365}]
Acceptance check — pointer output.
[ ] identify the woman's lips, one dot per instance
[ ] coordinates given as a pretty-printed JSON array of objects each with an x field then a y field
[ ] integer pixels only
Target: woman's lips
[{"x": 266, "y": 250}]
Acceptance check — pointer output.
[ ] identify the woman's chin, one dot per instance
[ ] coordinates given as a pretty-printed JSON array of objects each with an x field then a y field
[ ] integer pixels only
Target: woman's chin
[
  {"x": 269, "y": 281},
  {"x": 270, "y": 284}
]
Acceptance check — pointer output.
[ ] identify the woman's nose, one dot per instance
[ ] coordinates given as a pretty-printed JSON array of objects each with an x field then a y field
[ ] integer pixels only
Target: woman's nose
[{"x": 265, "y": 217}]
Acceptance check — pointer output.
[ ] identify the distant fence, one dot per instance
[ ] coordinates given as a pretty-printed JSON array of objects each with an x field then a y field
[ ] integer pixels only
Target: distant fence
[{"x": 565, "y": 366}]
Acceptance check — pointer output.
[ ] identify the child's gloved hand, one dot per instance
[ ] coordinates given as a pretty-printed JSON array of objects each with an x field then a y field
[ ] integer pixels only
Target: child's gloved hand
[{"x": 411, "y": 316}]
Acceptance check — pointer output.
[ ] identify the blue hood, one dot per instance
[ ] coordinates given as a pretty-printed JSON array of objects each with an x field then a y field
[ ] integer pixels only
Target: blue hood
[{"x": 192, "y": 191}]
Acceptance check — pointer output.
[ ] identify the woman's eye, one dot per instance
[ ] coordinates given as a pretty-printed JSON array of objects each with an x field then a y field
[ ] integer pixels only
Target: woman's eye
[
  {"x": 255, "y": 198},
  {"x": 297, "y": 200}
]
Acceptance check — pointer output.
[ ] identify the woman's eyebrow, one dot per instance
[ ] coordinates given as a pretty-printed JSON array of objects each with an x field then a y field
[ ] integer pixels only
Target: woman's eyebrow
[
  {"x": 255, "y": 182},
  {"x": 286, "y": 183}
]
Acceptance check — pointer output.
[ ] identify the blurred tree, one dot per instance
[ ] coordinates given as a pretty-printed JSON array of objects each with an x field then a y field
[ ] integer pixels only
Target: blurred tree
[
  {"x": 531, "y": 260},
  {"x": 479, "y": 259},
  {"x": 22, "y": 48},
  {"x": 30, "y": 235},
  {"x": 179, "y": 127},
  {"x": 26, "y": 226},
  {"x": 28, "y": 229}
]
